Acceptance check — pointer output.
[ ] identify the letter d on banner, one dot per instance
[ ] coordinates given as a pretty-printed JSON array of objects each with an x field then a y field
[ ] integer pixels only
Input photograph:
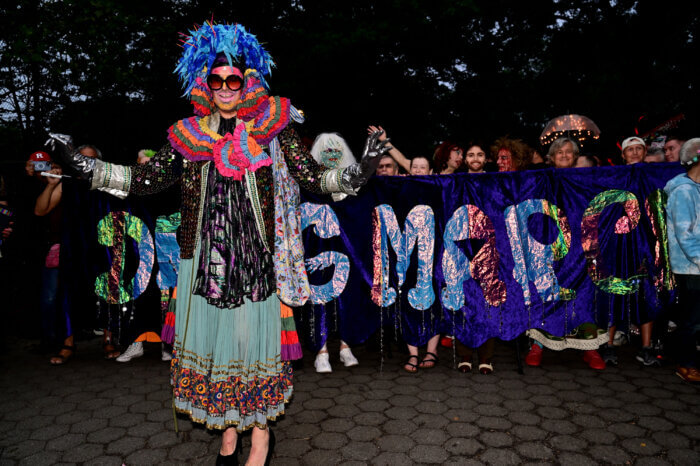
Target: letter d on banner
[{"x": 112, "y": 231}]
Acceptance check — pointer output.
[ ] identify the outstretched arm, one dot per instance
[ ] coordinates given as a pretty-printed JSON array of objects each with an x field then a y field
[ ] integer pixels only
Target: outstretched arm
[
  {"x": 158, "y": 174},
  {"x": 396, "y": 154},
  {"x": 316, "y": 178}
]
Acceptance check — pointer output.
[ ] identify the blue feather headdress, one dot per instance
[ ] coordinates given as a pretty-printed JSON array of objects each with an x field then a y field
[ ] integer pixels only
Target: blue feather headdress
[{"x": 203, "y": 44}]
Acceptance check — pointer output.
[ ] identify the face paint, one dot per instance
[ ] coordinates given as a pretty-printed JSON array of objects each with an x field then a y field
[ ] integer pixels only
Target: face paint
[
  {"x": 504, "y": 160},
  {"x": 456, "y": 159},
  {"x": 331, "y": 158}
]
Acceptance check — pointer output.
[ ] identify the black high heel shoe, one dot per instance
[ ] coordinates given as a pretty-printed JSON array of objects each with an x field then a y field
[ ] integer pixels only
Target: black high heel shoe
[
  {"x": 232, "y": 459},
  {"x": 228, "y": 460},
  {"x": 270, "y": 447}
]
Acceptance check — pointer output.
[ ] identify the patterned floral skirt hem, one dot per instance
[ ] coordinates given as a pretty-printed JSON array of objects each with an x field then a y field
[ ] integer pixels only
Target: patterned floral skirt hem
[{"x": 226, "y": 369}]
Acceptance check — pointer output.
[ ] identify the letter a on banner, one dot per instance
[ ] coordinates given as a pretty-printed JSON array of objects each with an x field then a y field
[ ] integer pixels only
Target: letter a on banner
[{"x": 470, "y": 222}]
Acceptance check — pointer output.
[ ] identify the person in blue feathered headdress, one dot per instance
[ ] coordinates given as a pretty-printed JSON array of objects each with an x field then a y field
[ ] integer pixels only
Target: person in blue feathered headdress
[{"x": 240, "y": 164}]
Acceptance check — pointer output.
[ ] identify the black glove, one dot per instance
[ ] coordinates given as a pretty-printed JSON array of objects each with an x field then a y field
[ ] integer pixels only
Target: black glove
[
  {"x": 357, "y": 174},
  {"x": 62, "y": 144}
]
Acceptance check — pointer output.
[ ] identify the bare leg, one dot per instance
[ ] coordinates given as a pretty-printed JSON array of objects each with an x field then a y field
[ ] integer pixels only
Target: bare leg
[
  {"x": 611, "y": 334},
  {"x": 260, "y": 444},
  {"x": 110, "y": 351},
  {"x": 645, "y": 331},
  {"x": 324, "y": 349},
  {"x": 433, "y": 344},
  {"x": 228, "y": 441},
  {"x": 343, "y": 345},
  {"x": 432, "y": 348}
]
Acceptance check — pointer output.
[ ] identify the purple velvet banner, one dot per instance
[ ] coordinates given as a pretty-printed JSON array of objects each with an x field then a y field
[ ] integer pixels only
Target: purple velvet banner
[{"x": 490, "y": 255}]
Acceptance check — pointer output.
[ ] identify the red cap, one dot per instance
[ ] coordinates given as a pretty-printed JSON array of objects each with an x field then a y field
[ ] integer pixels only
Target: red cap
[{"x": 40, "y": 156}]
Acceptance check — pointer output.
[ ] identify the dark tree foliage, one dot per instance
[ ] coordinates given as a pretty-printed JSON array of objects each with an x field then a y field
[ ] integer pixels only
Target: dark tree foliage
[{"x": 425, "y": 70}]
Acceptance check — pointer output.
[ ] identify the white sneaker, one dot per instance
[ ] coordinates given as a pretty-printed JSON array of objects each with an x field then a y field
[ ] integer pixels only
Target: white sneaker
[
  {"x": 347, "y": 358},
  {"x": 165, "y": 355},
  {"x": 322, "y": 364},
  {"x": 135, "y": 350}
]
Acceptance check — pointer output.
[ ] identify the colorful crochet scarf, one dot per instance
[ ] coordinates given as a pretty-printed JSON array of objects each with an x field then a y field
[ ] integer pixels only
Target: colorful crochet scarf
[{"x": 262, "y": 118}]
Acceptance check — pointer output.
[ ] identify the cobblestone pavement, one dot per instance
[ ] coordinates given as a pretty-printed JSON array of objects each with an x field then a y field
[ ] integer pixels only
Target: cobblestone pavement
[{"x": 93, "y": 411}]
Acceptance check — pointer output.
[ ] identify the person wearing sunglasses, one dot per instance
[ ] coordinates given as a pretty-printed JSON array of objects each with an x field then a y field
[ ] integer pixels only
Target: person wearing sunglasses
[{"x": 240, "y": 163}]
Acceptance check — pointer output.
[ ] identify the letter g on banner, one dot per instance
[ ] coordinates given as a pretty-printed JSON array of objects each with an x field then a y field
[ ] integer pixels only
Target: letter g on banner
[
  {"x": 112, "y": 231},
  {"x": 326, "y": 225}
]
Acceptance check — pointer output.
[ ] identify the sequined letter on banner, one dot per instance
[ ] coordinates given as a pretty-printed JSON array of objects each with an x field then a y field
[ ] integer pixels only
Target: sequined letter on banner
[
  {"x": 325, "y": 225},
  {"x": 111, "y": 232},
  {"x": 167, "y": 250},
  {"x": 589, "y": 239},
  {"x": 533, "y": 260},
  {"x": 420, "y": 227},
  {"x": 655, "y": 206},
  {"x": 469, "y": 222}
]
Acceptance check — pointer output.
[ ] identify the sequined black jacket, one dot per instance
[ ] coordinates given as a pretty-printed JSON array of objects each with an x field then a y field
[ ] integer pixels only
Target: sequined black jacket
[{"x": 167, "y": 167}]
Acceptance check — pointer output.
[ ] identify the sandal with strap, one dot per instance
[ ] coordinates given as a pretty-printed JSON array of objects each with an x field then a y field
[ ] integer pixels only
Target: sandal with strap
[
  {"x": 62, "y": 358},
  {"x": 464, "y": 367},
  {"x": 414, "y": 367},
  {"x": 110, "y": 351},
  {"x": 432, "y": 361},
  {"x": 485, "y": 368}
]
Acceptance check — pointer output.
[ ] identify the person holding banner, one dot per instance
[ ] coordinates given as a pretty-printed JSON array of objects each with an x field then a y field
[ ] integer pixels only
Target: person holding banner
[
  {"x": 331, "y": 151},
  {"x": 634, "y": 150},
  {"x": 683, "y": 210},
  {"x": 511, "y": 154},
  {"x": 475, "y": 158},
  {"x": 587, "y": 337},
  {"x": 240, "y": 164},
  {"x": 563, "y": 153},
  {"x": 448, "y": 158}
]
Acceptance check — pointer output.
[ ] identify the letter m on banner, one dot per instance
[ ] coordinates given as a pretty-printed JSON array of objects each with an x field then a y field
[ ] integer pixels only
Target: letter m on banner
[{"x": 420, "y": 230}]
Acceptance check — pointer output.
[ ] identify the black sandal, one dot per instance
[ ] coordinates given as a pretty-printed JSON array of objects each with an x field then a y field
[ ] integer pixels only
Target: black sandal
[
  {"x": 410, "y": 364},
  {"x": 110, "y": 351},
  {"x": 433, "y": 360},
  {"x": 59, "y": 359}
]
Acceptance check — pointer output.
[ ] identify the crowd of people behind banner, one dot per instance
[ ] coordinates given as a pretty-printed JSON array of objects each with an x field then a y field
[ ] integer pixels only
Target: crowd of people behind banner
[
  {"x": 598, "y": 345},
  {"x": 505, "y": 154}
]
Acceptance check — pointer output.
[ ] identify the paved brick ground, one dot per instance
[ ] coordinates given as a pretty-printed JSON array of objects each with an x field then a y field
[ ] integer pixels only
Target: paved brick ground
[{"x": 93, "y": 411}]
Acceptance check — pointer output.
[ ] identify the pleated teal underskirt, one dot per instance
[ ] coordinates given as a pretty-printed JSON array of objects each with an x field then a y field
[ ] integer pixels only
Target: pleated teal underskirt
[{"x": 226, "y": 370}]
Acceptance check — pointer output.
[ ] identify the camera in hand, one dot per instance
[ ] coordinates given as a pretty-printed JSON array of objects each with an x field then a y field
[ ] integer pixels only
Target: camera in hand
[
  {"x": 42, "y": 166},
  {"x": 41, "y": 161}
]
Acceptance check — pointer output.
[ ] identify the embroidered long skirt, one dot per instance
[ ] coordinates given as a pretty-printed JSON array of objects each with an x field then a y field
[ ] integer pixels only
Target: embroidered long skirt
[{"x": 226, "y": 370}]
